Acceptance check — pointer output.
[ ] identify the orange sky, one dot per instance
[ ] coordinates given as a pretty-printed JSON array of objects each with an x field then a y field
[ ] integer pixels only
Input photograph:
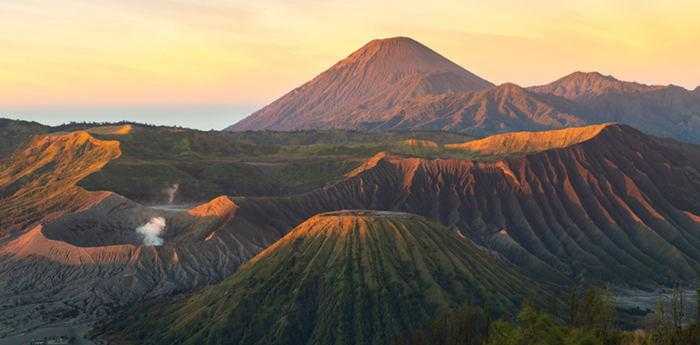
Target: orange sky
[{"x": 99, "y": 52}]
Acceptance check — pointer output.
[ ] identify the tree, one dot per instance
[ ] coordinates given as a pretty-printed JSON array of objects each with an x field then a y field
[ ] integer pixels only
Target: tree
[
  {"x": 504, "y": 333},
  {"x": 678, "y": 308},
  {"x": 538, "y": 328},
  {"x": 466, "y": 326},
  {"x": 593, "y": 310}
]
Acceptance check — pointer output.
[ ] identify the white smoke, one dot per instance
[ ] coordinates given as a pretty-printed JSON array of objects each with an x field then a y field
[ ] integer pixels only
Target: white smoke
[
  {"x": 171, "y": 191},
  {"x": 150, "y": 232}
]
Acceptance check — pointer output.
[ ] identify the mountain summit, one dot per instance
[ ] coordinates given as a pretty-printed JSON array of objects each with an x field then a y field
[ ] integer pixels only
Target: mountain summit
[
  {"x": 668, "y": 111},
  {"x": 361, "y": 87},
  {"x": 582, "y": 85}
]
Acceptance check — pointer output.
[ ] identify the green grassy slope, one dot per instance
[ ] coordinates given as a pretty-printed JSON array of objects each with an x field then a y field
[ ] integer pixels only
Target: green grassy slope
[
  {"x": 347, "y": 277},
  {"x": 206, "y": 164}
]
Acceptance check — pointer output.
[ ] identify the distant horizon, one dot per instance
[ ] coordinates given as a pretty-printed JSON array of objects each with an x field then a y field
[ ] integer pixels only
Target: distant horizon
[{"x": 195, "y": 116}]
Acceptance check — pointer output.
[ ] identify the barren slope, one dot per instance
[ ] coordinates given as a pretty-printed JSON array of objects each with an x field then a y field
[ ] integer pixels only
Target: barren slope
[
  {"x": 38, "y": 182},
  {"x": 361, "y": 87},
  {"x": 506, "y": 107}
]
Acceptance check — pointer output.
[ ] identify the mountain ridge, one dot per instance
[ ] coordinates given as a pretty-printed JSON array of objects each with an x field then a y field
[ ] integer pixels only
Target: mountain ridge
[
  {"x": 414, "y": 88},
  {"x": 529, "y": 142},
  {"x": 579, "y": 85},
  {"x": 503, "y": 108},
  {"x": 669, "y": 111},
  {"x": 619, "y": 207}
]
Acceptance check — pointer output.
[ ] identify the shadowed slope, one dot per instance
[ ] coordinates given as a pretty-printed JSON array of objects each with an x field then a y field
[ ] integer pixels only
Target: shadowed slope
[
  {"x": 503, "y": 108},
  {"x": 669, "y": 111},
  {"x": 583, "y": 85},
  {"x": 348, "y": 277},
  {"x": 15, "y": 133},
  {"x": 361, "y": 87}
]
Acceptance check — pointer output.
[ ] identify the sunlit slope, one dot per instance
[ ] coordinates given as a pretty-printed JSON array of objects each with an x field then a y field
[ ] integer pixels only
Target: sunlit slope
[
  {"x": 347, "y": 277},
  {"x": 515, "y": 143},
  {"x": 363, "y": 87},
  {"x": 419, "y": 144},
  {"x": 39, "y": 181}
]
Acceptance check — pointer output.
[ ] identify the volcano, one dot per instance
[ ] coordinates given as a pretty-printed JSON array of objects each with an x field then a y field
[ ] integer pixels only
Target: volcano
[
  {"x": 399, "y": 84},
  {"x": 350, "y": 276},
  {"x": 363, "y": 87}
]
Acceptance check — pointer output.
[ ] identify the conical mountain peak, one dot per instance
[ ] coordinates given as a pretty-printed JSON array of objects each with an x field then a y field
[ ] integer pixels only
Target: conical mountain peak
[
  {"x": 363, "y": 87},
  {"x": 336, "y": 273},
  {"x": 400, "y": 54}
]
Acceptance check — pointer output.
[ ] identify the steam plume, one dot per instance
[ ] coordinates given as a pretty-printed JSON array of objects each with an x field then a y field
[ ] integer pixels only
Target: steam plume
[
  {"x": 171, "y": 191},
  {"x": 151, "y": 231}
]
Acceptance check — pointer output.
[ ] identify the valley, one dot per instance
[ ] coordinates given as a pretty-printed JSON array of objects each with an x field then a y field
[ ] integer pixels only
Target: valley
[{"x": 501, "y": 201}]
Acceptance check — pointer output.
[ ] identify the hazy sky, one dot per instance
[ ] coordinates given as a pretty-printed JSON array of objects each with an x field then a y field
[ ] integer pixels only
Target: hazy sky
[{"x": 157, "y": 60}]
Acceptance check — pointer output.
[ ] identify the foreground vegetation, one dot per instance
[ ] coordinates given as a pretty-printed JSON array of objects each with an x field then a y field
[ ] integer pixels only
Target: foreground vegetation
[{"x": 590, "y": 320}]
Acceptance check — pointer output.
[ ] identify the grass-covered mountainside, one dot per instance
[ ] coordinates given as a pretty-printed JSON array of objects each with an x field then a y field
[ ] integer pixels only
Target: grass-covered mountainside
[
  {"x": 194, "y": 166},
  {"x": 347, "y": 277}
]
